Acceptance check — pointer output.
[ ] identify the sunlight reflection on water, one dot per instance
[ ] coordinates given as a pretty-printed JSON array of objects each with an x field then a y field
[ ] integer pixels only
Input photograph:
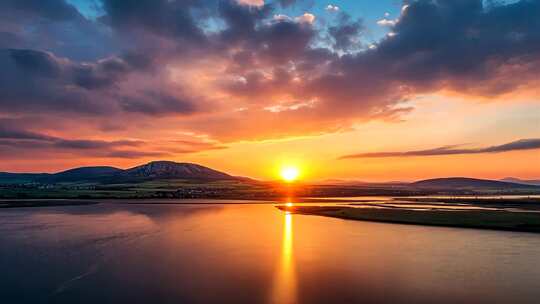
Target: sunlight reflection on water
[{"x": 284, "y": 290}]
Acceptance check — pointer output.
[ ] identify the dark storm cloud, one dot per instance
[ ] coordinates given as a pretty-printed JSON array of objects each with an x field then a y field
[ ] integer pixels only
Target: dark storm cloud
[{"x": 523, "y": 144}]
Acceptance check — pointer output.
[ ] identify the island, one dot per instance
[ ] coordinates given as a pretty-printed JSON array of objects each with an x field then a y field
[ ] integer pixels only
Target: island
[{"x": 490, "y": 213}]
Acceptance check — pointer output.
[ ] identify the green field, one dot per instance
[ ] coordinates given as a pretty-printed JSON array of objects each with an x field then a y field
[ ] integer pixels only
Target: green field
[{"x": 170, "y": 188}]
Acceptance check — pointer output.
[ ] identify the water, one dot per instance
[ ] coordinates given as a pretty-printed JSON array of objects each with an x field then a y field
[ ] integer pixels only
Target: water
[{"x": 118, "y": 253}]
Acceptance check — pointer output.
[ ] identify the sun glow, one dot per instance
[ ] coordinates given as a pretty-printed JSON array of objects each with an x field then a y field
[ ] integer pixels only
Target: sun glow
[{"x": 290, "y": 174}]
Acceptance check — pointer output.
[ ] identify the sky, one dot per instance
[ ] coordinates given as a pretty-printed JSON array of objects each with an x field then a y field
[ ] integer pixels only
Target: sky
[{"x": 383, "y": 90}]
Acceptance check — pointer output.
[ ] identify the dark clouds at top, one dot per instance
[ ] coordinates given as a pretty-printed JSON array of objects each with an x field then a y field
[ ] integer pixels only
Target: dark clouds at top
[{"x": 218, "y": 61}]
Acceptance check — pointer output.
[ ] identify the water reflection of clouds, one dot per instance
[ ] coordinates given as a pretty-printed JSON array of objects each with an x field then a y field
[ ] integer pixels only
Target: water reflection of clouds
[{"x": 101, "y": 222}]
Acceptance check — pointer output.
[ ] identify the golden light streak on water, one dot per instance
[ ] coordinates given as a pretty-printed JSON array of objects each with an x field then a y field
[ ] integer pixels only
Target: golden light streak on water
[{"x": 284, "y": 291}]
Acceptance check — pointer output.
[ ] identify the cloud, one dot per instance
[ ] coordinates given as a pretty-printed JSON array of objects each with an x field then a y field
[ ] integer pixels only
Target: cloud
[
  {"x": 387, "y": 22},
  {"x": 347, "y": 33},
  {"x": 522, "y": 144},
  {"x": 15, "y": 141},
  {"x": 251, "y": 2},
  {"x": 52, "y": 9},
  {"x": 332, "y": 8},
  {"x": 282, "y": 17},
  {"x": 306, "y": 18},
  {"x": 189, "y": 65},
  {"x": 61, "y": 85},
  {"x": 7, "y": 132},
  {"x": 157, "y": 103},
  {"x": 286, "y": 3},
  {"x": 55, "y": 26},
  {"x": 161, "y": 17}
]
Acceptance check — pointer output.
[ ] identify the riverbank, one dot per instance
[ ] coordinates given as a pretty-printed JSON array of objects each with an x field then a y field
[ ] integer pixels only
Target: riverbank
[
  {"x": 43, "y": 203},
  {"x": 480, "y": 219}
]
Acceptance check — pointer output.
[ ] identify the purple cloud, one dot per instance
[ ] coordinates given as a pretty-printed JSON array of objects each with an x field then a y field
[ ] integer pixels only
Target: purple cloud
[{"x": 518, "y": 145}]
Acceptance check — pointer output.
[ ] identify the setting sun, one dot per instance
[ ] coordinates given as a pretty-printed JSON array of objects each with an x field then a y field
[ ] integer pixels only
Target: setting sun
[{"x": 290, "y": 174}]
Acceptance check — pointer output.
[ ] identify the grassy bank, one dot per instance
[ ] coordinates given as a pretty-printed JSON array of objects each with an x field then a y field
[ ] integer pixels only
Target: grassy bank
[
  {"x": 484, "y": 219},
  {"x": 43, "y": 203}
]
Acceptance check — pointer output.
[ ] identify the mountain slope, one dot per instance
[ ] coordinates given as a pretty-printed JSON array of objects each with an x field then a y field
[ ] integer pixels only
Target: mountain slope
[
  {"x": 169, "y": 169},
  {"x": 83, "y": 173},
  {"x": 465, "y": 182},
  {"x": 535, "y": 182},
  {"x": 16, "y": 178},
  {"x": 104, "y": 174}
]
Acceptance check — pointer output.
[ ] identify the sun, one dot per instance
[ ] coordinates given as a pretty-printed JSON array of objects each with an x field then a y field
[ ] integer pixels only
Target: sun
[{"x": 290, "y": 174}]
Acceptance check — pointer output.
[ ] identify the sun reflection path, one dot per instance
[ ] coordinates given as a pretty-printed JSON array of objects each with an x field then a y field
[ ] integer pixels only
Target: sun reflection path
[{"x": 284, "y": 291}]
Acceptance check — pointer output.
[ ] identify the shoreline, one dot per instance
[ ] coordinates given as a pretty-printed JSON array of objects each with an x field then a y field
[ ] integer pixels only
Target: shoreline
[
  {"x": 4, "y": 204},
  {"x": 491, "y": 220},
  {"x": 532, "y": 204}
]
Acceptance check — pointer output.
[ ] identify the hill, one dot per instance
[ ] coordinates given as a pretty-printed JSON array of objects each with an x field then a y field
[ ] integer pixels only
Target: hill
[
  {"x": 83, "y": 174},
  {"x": 16, "y": 178},
  {"x": 465, "y": 182},
  {"x": 169, "y": 169},
  {"x": 155, "y": 170},
  {"x": 535, "y": 182}
]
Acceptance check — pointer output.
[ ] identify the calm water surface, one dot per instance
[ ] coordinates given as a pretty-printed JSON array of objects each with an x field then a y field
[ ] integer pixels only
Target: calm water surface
[{"x": 113, "y": 253}]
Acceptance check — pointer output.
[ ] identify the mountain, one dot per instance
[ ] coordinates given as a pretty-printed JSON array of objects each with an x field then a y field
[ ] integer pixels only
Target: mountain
[
  {"x": 169, "y": 169},
  {"x": 19, "y": 178},
  {"x": 521, "y": 181},
  {"x": 72, "y": 175},
  {"x": 83, "y": 173},
  {"x": 344, "y": 182},
  {"x": 464, "y": 182},
  {"x": 104, "y": 174}
]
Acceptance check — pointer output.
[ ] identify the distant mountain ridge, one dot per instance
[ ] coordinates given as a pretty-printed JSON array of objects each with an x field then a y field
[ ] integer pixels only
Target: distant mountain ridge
[
  {"x": 162, "y": 170},
  {"x": 535, "y": 182},
  {"x": 83, "y": 173},
  {"x": 466, "y": 182},
  {"x": 151, "y": 170}
]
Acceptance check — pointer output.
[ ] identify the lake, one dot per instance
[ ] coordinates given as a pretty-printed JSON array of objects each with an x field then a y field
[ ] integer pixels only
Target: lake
[{"x": 253, "y": 253}]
